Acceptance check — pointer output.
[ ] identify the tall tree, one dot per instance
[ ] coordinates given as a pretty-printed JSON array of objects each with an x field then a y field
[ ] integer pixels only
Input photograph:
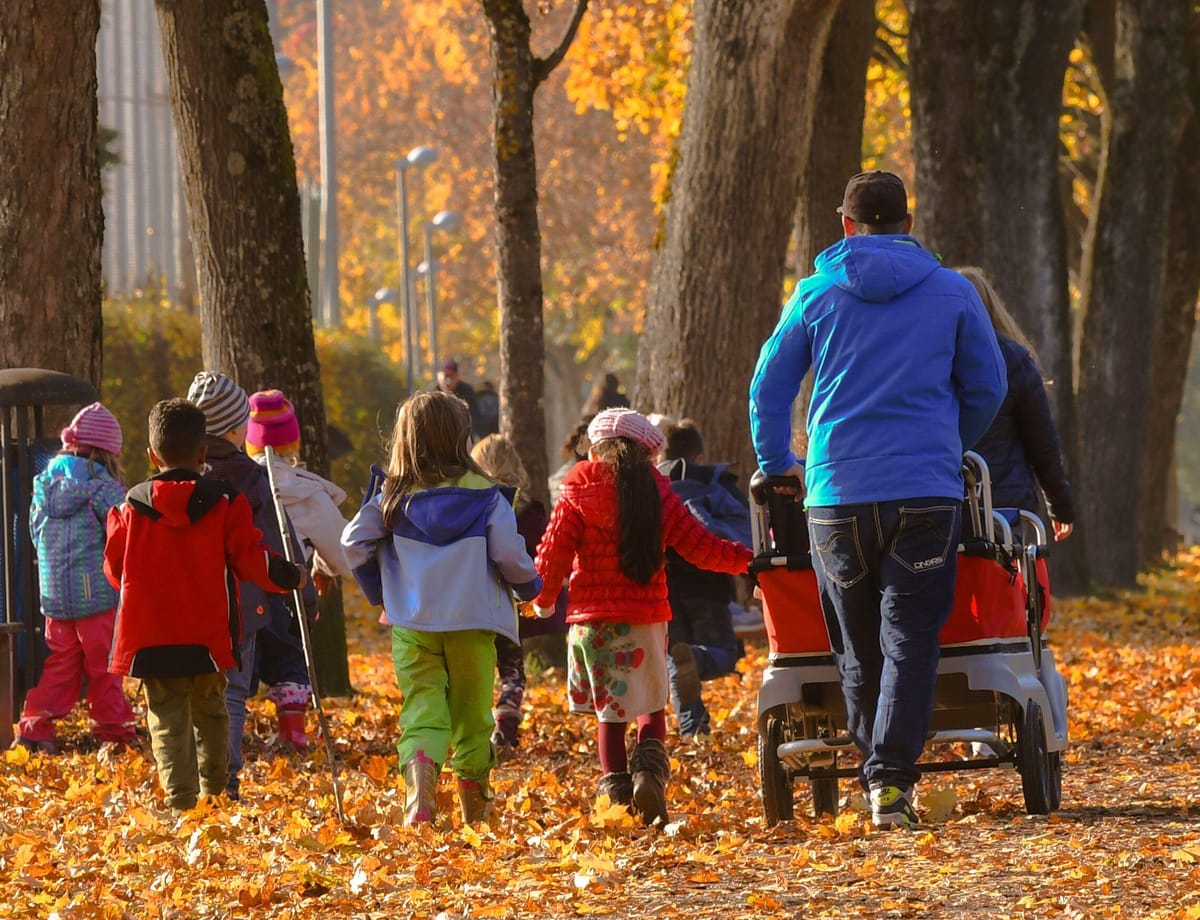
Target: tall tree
[
  {"x": 516, "y": 75},
  {"x": 51, "y": 221},
  {"x": 1173, "y": 337},
  {"x": 1124, "y": 267},
  {"x": 717, "y": 283},
  {"x": 986, "y": 143},
  {"x": 243, "y": 209},
  {"x": 840, "y": 105}
]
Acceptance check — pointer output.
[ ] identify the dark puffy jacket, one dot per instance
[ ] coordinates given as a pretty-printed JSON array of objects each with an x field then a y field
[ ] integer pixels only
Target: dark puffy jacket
[
  {"x": 235, "y": 467},
  {"x": 683, "y": 578},
  {"x": 1021, "y": 445}
]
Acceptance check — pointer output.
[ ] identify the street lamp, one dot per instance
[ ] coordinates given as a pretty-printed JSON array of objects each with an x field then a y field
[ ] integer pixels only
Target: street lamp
[
  {"x": 447, "y": 221},
  {"x": 418, "y": 158},
  {"x": 382, "y": 296}
]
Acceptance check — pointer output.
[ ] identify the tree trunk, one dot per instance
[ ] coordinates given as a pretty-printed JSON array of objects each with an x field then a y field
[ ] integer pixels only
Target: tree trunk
[
  {"x": 840, "y": 106},
  {"x": 516, "y": 73},
  {"x": 243, "y": 209},
  {"x": 1124, "y": 278},
  {"x": 51, "y": 222},
  {"x": 993, "y": 109},
  {"x": 717, "y": 284},
  {"x": 1173, "y": 341}
]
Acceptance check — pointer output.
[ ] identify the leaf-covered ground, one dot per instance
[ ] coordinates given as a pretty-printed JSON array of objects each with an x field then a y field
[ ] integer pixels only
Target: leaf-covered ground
[{"x": 85, "y": 835}]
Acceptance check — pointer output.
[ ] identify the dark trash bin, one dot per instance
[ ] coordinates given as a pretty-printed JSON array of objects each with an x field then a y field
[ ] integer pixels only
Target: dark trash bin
[{"x": 25, "y": 448}]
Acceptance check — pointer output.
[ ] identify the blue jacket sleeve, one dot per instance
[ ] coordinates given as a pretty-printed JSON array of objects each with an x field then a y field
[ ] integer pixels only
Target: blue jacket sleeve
[
  {"x": 979, "y": 374},
  {"x": 506, "y": 550},
  {"x": 361, "y": 541},
  {"x": 782, "y": 363}
]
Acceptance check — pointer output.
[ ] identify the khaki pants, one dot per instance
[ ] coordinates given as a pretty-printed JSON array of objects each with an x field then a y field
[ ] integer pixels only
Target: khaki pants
[{"x": 189, "y": 733}]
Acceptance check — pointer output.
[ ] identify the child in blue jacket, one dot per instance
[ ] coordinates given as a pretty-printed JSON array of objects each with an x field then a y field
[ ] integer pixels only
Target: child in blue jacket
[
  {"x": 439, "y": 548},
  {"x": 67, "y": 518}
]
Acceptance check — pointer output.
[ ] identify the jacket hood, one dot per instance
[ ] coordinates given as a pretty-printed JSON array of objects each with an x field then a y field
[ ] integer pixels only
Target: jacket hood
[
  {"x": 297, "y": 483},
  {"x": 447, "y": 513},
  {"x": 178, "y": 498},
  {"x": 67, "y": 486},
  {"x": 876, "y": 269},
  {"x": 235, "y": 467}
]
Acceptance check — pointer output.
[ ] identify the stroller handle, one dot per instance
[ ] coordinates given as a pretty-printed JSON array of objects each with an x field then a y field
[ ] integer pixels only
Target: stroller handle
[{"x": 763, "y": 486}]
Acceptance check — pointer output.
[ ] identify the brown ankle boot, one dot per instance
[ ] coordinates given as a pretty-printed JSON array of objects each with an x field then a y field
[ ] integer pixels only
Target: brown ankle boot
[
  {"x": 651, "y": 768},
  {"x": 475, "y": 799},
  {"x": 618, "y": 787},
  {"x": 420, "y": 790}
]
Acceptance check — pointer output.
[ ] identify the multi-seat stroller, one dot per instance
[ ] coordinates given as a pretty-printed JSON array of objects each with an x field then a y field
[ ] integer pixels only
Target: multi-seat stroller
[{"x": 999, "y": 697}]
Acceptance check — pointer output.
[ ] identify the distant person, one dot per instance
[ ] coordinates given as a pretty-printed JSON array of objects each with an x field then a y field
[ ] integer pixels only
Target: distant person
[
  {"x": 1021, "y": 446},
  {"x": 498, "y": 458},
  {"x": 614, "y": 520},
  {"x": 438, "y": 547},
  {"x": 450, "y": 381},
  {"x": 171, "y": 548},
  {"x": 606, "y": 394},
  {"x": 311, "y": 503},
  {"x": 574, "y": 448},
  {"x": 906, "y": 376},
  {"x": 486, "y": 419},
  {"x": 67, "y": 518},
  {"x": 701, "y": 641}
]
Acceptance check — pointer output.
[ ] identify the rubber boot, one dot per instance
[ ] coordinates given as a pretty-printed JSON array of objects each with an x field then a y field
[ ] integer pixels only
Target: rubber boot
[
  {"x": 505, "y": 738},
  {"x": 475, "y": 799},
  {"x": 651, "y": 769},
  {"x": 291, "y": 728},
  {"x": 420, "y": 790},
  {"x": 618, "y": 787}
]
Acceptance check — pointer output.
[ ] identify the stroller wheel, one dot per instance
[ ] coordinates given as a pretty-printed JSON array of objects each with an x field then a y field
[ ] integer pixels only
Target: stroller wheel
[
  {"x": 775, "y": 781},
  {"x": 824, "y": 796},
  {"x": 1041, "y": 771}
]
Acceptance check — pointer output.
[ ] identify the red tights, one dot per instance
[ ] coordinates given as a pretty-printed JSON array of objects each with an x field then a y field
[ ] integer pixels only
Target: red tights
[{"x": 610, "y": 739}]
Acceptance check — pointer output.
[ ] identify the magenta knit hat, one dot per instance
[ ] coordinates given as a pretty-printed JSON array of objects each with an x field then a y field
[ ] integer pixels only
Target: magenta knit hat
[
  {"x": 625, "y": 423},
  {"x": 93, "y": 426},
  {"x": 272, "y": 423}
]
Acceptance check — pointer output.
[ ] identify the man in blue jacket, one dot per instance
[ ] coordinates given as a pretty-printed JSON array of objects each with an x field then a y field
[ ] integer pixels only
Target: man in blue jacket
[{"x": 906, "y": 376}]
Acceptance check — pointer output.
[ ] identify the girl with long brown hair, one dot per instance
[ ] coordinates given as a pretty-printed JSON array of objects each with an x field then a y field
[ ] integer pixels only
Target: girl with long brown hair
[{"x": 615, "y": 517}]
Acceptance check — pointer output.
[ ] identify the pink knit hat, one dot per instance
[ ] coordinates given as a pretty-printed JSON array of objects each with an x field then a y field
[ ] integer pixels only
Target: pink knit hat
[
  {"x": 625, "y": 423},
  {"x": 272, "y": 423},
  {"x": 93, "y": 426}
]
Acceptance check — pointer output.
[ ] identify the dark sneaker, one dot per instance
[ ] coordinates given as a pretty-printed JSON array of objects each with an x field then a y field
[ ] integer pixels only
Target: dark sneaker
[
  {"x": 687, "y": 675},
  {"x": 891, "y": 806}
]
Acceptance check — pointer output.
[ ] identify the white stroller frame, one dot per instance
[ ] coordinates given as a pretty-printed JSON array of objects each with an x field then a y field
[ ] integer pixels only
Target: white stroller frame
[{"x": 1005, "y": 693}]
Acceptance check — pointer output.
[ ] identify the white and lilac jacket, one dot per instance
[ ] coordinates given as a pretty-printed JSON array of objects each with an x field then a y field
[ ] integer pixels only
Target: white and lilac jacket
[{"x": 451, "y": 561}]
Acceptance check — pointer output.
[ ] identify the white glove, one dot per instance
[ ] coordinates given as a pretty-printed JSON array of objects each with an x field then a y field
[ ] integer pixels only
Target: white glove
[{"x": 543, "y": 612}]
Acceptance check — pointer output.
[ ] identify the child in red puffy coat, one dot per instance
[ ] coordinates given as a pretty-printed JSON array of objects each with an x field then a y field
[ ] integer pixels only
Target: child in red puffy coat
[{"x": 615, "y": 517}]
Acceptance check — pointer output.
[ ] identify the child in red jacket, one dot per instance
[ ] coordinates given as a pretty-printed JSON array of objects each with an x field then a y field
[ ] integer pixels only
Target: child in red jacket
[
  {"x": 615, "y": 516},
  {"x": 174, "y": 547}
]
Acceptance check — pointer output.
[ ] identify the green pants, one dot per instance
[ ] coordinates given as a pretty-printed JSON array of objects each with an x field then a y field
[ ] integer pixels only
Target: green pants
[
  {"x": 189, "y": 733},
  {"x": 446, "y": 679}
]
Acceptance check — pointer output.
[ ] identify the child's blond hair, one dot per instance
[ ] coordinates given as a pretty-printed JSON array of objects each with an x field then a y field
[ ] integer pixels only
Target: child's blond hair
[{"x": 498, "y": 458}]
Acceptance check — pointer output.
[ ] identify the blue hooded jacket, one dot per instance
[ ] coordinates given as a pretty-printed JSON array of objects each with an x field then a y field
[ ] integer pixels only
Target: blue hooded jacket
[
  {"x": 451, "y": 561},
  {"x": 907, "y": 375}
]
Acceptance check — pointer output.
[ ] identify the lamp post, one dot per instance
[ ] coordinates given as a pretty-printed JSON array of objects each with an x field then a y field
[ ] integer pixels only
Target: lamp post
[
  {"x": 418, "y": 158},
  {"x": 447, "y": 221},
  {"x": 382, "y": 296},
  {"x": 330, "y": 312}
]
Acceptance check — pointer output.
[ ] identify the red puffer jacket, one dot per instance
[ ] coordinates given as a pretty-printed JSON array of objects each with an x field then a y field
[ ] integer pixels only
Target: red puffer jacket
[{"x": 582, "y": 539}]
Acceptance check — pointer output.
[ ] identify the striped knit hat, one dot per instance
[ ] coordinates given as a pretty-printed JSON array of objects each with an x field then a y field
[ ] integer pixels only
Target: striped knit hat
[
  {"x": 272, "y": 424},
  {"x": 223, "y": 402},
  {"x": 93, "y": 426}
]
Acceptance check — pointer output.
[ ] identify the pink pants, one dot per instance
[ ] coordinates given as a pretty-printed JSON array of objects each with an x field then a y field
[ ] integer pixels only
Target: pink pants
[{"x": 78, "y": 648}]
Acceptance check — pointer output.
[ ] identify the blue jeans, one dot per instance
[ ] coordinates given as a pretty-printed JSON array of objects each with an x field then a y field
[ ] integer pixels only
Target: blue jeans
[
  {"x": 241, "y": 687},
  {"x": 885, "y": 572},
  {"x": 707, "y": 626}
]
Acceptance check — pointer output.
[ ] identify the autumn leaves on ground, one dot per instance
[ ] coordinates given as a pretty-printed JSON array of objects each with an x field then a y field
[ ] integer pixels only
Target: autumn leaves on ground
[{"x": 85, "y": 835}]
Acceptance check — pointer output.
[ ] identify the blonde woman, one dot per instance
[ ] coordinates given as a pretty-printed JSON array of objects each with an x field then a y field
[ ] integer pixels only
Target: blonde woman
[{"x": 1021, "y": 447}]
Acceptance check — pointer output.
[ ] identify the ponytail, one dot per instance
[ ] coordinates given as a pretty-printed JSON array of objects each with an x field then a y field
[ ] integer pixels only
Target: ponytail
[{"x": 639, "y": 508}]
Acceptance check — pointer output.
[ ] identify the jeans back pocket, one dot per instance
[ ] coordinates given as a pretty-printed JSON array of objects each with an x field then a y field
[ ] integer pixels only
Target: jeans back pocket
[
  {"x": 836, "y": 545},
  {"x": 923, "y": 537}
]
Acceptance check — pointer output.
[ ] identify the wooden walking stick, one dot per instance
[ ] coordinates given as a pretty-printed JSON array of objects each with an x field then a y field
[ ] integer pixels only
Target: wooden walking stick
[{"x": 289, "y": 553}]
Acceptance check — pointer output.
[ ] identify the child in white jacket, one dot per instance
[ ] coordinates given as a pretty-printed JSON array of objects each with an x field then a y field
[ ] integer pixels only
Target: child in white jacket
[{"x": 312, "y": 503}]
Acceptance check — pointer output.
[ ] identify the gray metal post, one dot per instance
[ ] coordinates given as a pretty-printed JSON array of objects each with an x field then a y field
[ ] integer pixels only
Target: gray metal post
[
  {"x": 431, "y": 300},
  {"x": 405, "y": 298},
  {"x": 330, "y": 311}
]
